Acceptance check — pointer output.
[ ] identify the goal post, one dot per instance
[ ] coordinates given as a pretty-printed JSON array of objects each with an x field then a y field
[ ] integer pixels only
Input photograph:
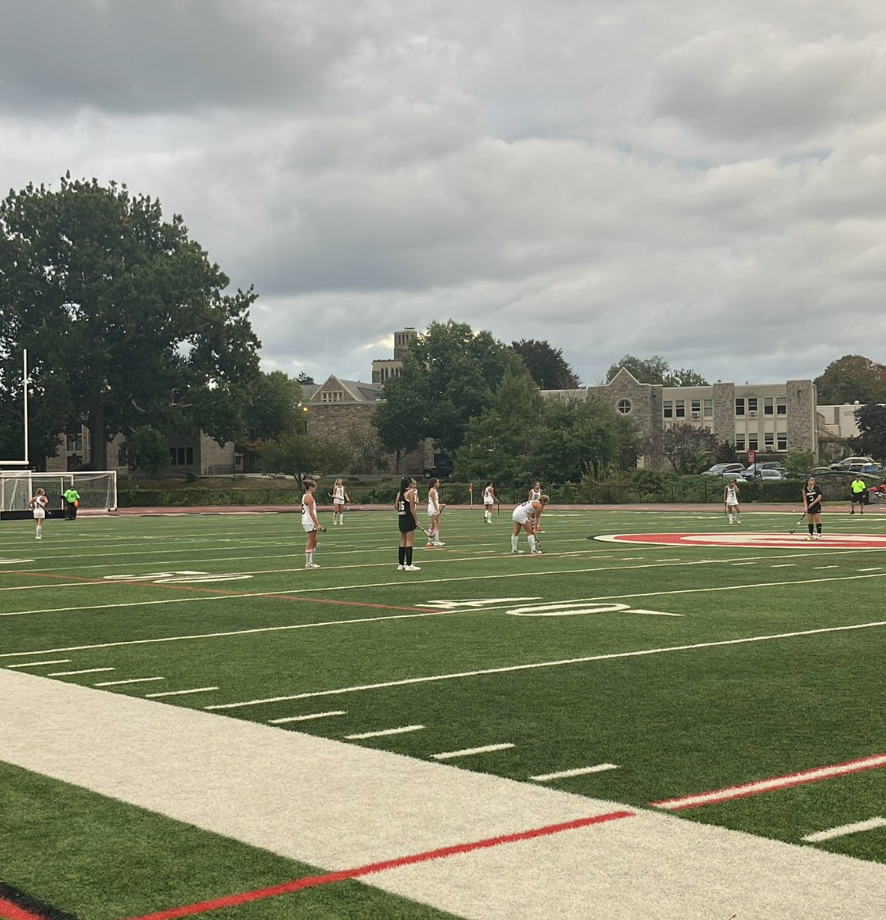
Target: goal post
[{"x": 98, "y": 490}]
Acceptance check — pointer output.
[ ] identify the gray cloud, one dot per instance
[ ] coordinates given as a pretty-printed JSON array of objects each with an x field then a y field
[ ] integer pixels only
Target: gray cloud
[{"x": 612, "y": 177}]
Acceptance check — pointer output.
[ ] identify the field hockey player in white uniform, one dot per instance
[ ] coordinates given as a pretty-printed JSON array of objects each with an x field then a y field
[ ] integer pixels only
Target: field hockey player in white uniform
[
  {"x": 526, "y": 517},
  {"x": 435, "y": 509},
  {"x": 309, "y": 523},
  {"x": 730, "y": 497},
  {"x": 488, "y": 502},
  {"x": 339, "y": 497},
  {"x": 38, "y": 506}
]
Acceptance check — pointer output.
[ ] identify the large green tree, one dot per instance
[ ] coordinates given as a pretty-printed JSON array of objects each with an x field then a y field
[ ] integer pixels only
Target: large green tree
[
  {"x": 850, "y": 379},
  {"x": 449, "y": 375},
  {"x": 657, "y": 370},
  {"x": 546, "y": 365},
  {"x": 871, "y": 440},
  {"x": 272, "y": 410},
  {"x": 120, "y": 311}
]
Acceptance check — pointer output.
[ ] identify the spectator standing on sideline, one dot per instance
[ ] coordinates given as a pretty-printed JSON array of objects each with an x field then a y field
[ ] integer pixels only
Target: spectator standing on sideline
[
  {"x": 488, "y": 501},
  {"x": 435, "y": 509},
  {"x": 812, "y": 506},
  {"x": 859, "y": 491},
  {"x": 730, "y": 499},
  {"x": 407, "y": 522},
  {"x": 339, "y": 497},
  {"x": 72, "y": 503},
  {"x": 527, "y": 517},
  {"x": 38, "y": 505},
  {"x": 309, "y": 523}
]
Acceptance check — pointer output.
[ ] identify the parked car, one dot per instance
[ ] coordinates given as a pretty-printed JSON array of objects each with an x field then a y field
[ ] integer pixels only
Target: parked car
[
  {"x": 723, "y": 470},
  {"x": 850, "y": 463},
  {"x": 753, "y": 469},
  {"x": 769, "y": 475}
]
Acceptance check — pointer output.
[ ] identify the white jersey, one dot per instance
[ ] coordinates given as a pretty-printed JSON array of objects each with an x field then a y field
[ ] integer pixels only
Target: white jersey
[
  {"x": 524, "y": 513},
  {"x": 433, "y": 503},
  {"x": 534, "y": 495},
  {"x": 488, "y": 496},
  {"x": 731, "y": 495},
  {"x": 307, "y": 522},
  {"x": 40, "y": 503},
  {"x": 338, "y": 495}
]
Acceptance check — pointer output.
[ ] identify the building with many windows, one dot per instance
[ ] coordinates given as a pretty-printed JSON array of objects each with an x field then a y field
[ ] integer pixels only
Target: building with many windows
[{"x": 769, "y": 417}]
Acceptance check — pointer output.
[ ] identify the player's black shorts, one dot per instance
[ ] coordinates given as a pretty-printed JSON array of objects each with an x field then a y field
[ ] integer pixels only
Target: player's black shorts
[
  {"x": 859, "y": 497},
  {"x": 406, "y": 524}
]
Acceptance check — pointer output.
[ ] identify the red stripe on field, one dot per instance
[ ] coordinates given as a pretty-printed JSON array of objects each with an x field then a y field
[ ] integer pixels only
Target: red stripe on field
[
  {"x": 231, "y": 594},
  {"x": 313, "y": 881},
  {"x": 801, "y": 778},
  {"x": 10, "y": 911}
]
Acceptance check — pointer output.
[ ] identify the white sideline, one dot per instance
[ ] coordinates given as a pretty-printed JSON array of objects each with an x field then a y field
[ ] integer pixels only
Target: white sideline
[{"x": 337, "y": 806}]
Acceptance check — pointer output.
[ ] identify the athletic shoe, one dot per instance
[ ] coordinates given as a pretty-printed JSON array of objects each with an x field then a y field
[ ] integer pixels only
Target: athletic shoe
[
  {"x": 311, "y": 565},
  {"x": 537, "y": 552},
  {"x": 438, "y": 543},
  {"x": 818, "y": 536},
  {"x": 401, "y": 568},
  {"x": 516, "y": 552},
  {"x": 413, "y": 568}
]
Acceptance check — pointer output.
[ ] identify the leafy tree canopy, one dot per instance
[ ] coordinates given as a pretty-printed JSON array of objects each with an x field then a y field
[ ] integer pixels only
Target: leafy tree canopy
[
  {"x": 118, "y": 309},
  {"x": 687, "y": 448},
  {"x": 546, "y": 365},
  {"x": 303, "y": 457},
  {"x": 850, "y": 379},
  {"x": 449, "y": 375},
  {"x": 657, "y": 370},
  {"x": 871, "y": 440}
]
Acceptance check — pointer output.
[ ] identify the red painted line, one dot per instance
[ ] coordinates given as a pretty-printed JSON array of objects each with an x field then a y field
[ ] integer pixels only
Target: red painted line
[
  {"x": 10, "y": 911},
  {"x": 789, "y": 780},
  {"x": 313, "y": 881},
  {"x": 82, "y": 579}
]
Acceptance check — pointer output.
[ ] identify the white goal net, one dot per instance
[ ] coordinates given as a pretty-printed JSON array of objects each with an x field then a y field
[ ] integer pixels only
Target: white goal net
[{"x": 98, "y": 491}]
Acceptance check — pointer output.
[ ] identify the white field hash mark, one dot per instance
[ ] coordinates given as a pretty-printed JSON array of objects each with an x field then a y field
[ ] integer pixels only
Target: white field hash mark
[
  {"x": 578, "y": 771},
  {"x": 844, "y": 829},
  {"x": 154, "y": 696},
  {"x": 308, "y": 717},
  {"x": 37, "y": 664},
  {"x": 131, "y": 680},
  {"x": 74, "y": 673},
  {"x": 468, "y": 752},
  {"x": 385, "y": 732}
]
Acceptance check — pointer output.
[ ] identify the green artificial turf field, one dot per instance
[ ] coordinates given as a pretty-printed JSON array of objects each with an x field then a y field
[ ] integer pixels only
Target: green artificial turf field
[{"x": 635, "y": 672}]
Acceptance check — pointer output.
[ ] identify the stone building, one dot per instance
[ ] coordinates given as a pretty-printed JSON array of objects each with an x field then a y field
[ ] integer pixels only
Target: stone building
[
  {"x": 769, "y": 418},
  {"x": 383, "y": 369}
]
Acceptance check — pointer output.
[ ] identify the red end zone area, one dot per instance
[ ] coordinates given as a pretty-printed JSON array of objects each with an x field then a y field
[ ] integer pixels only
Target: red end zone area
[{"x": 750, "y": 540}]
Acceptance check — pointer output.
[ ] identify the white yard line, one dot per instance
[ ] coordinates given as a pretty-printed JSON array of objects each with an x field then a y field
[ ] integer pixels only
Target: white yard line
[
  {"x": 131, "y": 680},
  {"x": 420, "y": 613},
  {"x": 154, "y": 696},
  {"x": 354, "y": 806},
  {"x": 84, "y": 671},
  {"x": 38, "y": 664},
  {"x": 470, "y": 752},
  {"x": 564, "y": 662}
]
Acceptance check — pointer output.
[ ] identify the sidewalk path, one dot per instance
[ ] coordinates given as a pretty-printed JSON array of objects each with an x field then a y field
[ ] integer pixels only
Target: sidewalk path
[{"x": 340, "y": 806}]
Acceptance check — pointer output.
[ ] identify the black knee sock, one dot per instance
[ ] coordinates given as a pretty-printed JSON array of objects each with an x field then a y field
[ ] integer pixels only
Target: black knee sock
[
  {"x": 408, "y": 555},
  {"x": 401, "y": 555},
  {"x": 818, "y": 528},
  {"x": 811, "y": 531}
]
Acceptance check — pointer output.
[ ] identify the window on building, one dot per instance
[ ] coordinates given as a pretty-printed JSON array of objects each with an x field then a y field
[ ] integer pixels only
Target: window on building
[
  {"x": 709, "y": 408},
  {"x": 752, "y": 440},
  {"x": 668, "y": 408},
  {"x": 768, "y": 405},
  {"x": 739, "y": 442},
  {"x": 75, "y": 442},
  {"x": 781, "y": 405},
  {"x": 752, "y": 405},
  {"x": 680, "y": 408},
  {"x": 739, "y": 406},
  {"x": 769, "y": 441},
  {"x": 181, "y": 456},
  {"x": 624, "y": 406},
  {"x": 695, "y": 406},
  {"x": 782, "y": 440},
  {"x": 333, "y": 396}
]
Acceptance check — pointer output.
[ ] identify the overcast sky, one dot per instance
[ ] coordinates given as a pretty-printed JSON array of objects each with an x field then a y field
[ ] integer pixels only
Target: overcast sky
[{"x": 703, "y": 180}]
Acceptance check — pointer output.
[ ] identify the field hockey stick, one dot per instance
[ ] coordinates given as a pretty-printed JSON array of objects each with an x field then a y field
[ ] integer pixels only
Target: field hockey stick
[{"x": 794, "y": 528}]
